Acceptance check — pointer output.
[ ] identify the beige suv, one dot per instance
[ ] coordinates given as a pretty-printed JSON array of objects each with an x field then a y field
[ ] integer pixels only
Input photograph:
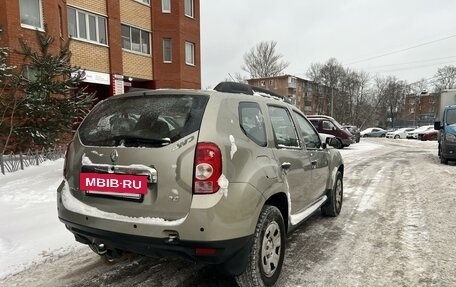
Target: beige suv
[{"x": 211, "y": 176}]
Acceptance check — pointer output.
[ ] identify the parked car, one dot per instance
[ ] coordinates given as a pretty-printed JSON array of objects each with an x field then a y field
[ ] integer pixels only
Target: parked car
[
  {"x": 354, "y": 130},
  {"x": 414, "y": 134},
  {"x": 373, "y": 132},
  {"x": 328, "y": 125},
  {"x": 429, "y": 135},
  {"x": 399, "y": 133},
  {"x": 215, "y": 177},
  {"x": 446, "y": 125}
]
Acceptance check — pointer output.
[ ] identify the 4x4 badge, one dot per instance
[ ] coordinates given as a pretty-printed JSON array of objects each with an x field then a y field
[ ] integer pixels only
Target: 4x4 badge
[
  {"x": 183, "y": 143},
  {"x": 114, "y": 155}
]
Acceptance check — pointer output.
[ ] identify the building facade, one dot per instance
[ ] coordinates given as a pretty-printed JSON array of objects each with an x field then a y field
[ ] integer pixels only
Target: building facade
[
  {"x": 120, "y": 44},
  {"x": 421, "y": 109},
  {"x": 309, "y": 97}
]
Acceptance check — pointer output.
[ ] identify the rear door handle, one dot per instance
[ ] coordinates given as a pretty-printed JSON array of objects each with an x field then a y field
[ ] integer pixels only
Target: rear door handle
[{"x": 314, "y": 163}]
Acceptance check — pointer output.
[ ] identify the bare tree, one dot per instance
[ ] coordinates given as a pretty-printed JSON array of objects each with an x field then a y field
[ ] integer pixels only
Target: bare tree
[
  {"x": 329, "y": 75},
  {"x": 390, "y": 93},
  {"x": 237, "y": 77},
  {"x": 263, "y": 61},
  {"x": 313, "y": 73},
  {"x": 419, "y": 86},
  {"x": 445, "y": 78}
]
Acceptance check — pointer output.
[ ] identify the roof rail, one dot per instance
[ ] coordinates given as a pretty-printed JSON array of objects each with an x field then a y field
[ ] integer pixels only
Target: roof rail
[{"x": 235, "y": 87}]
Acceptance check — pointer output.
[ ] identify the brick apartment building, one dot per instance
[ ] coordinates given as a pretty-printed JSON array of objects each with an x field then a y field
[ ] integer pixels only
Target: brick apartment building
[
  {"x": 121, "y": 44},
  {"x": 420, "y": 109},
  {"x": 308, "y": 96}
]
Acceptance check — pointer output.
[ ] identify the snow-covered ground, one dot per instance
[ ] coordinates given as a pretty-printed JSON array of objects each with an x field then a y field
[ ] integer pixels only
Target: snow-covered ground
[
  {"x": 30, "y": 231},
  {"x": 29, "y": 228}
]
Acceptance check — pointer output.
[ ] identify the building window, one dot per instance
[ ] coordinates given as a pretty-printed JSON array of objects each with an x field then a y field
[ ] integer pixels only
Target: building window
[
  {"x": 135, "y": 39},
  {"x": 31, "y": 13},
  {"x": 87, "y": 26},
  {"x": 31, "y": 73},
  {"x": 166, "y": 6},
  {"x": 189, "y": 53},
  {"x": 167, "y": 51},
  {"x": 262, "y": 83},
  {"x": 189, "y": 8}
]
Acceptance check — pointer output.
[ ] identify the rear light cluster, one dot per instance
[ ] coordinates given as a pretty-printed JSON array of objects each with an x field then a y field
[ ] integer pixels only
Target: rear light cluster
[{"x": 208, "y": 168}]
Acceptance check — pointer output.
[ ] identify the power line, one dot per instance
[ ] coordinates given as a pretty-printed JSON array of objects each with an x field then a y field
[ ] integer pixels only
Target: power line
[
  {"x": 400, "y": 50},
  {"x": 414, "y": 67},
  {"x": 407, "y": 63}
]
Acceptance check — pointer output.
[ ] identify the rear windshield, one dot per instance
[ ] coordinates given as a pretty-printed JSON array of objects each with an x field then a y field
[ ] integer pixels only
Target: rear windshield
[{"x": 143, "y": 121}]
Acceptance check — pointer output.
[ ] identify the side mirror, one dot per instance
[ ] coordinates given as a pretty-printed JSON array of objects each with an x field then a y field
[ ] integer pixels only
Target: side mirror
[
  {"x": 437, "y": 125},
  {"x": 332, "y": 141}
]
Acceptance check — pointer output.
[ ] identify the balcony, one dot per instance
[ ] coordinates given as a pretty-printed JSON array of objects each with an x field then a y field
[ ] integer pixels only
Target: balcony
[{"x": 292, "y": 82}]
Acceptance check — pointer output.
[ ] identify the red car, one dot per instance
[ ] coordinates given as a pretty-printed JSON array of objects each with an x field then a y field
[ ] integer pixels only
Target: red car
[{"x": 430, "y": 135}]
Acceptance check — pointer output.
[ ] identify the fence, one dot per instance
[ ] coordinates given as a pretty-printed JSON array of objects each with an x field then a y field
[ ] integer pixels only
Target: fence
[{"x": 14, "y": 162}]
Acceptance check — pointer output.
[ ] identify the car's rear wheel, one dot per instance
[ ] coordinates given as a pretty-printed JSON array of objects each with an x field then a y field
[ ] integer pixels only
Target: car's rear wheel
[
  {"x": 267, "y": 252},
  {"x": 333, "y": 205}
]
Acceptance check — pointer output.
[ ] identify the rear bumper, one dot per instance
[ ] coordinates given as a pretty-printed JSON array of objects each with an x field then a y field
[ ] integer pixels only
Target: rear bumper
[
  {"x": 221, "y": 225},
  {"x": 231, "y": 254}
]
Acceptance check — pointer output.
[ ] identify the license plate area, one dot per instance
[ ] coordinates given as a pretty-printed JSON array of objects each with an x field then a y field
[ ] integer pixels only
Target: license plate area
[{"x": 124, "y": 186}]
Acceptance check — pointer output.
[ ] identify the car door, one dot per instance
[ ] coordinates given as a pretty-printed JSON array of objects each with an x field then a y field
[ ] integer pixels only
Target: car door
[
  {"x": 292, "y": 158},
  {"x": 318, "y": 156}
]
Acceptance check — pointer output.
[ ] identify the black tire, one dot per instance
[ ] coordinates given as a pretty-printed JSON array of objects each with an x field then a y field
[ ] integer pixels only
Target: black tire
[
  {"x": 267, "y": 252},
  {"x": 340, "y": 145},
  {"x": 443, "y": 160},
  {"x": 397, "y": 137},
  {"x": 333, "y": 205}
]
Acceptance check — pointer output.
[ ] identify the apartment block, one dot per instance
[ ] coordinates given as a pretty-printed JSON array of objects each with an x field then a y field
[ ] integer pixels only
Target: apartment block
[
  {"x": 309, "y": 97},
  {"x": 421, "y": 109},
  {"x": 120, "y": 44}
]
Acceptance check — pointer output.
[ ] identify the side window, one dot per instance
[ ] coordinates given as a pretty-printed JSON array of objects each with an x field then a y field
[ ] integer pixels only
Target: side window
[
  {"x": 314, "y": 123},
  {"x": 284, "y": 130},
  {"x": 327, "y": 125},
  {"x": 252, "y": 122},
  {"x": 310, "y": 137}
]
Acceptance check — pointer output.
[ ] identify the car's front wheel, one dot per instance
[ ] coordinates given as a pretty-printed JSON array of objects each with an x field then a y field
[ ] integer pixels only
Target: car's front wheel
[
  {"x": 397, "y": 137},
  {"x": 267, "y": 252}
]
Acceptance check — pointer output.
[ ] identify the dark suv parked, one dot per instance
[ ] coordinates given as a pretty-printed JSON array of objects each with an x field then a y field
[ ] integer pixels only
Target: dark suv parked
[
  {"x": 328, "y": 125},
  {"x": 216, "y": 177}
]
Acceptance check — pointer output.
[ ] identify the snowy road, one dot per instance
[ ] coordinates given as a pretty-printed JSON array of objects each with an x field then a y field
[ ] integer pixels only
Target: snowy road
[{"x": 397, "y": 228}]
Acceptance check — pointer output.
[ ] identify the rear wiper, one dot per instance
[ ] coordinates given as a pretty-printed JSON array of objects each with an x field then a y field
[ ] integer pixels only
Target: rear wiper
[{"x": 138, "y": 141}]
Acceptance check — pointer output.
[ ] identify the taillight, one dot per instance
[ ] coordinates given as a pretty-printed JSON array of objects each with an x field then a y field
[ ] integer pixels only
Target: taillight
[{"x": 208, "y": 168}]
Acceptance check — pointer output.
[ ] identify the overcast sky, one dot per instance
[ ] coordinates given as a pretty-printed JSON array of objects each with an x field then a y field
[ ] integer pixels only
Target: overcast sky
[{"x": 313, "y": 31}]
